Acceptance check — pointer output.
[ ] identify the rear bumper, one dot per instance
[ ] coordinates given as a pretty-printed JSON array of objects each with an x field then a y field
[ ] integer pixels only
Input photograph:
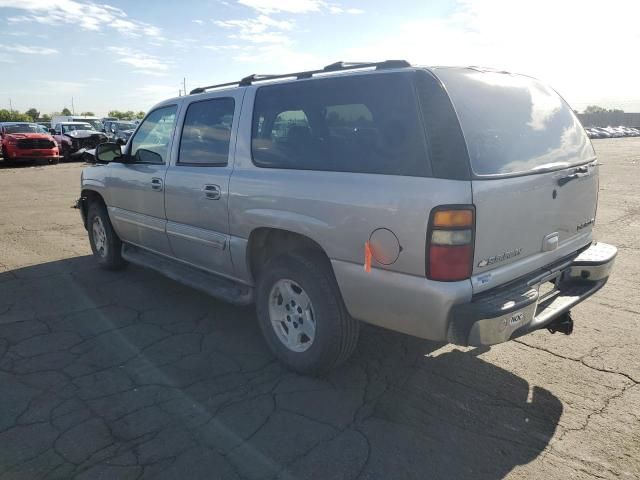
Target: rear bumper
[{"x": 508, "y": 312}]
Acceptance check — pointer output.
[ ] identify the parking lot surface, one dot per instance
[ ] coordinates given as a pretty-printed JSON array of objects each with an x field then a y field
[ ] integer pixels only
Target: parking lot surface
[{"x": 131, "y": 375}]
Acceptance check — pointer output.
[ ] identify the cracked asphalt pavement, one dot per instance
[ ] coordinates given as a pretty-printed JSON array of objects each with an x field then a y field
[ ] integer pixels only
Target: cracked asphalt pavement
[{"x": 130, "y": 375}]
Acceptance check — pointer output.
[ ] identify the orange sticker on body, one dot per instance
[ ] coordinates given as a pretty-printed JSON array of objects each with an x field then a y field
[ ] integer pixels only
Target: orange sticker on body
[{"x": 367, "y": 257}]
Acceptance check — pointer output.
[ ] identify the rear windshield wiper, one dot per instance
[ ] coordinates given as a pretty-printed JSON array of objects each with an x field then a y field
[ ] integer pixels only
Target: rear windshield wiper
[{"x": 578, "y": 172}]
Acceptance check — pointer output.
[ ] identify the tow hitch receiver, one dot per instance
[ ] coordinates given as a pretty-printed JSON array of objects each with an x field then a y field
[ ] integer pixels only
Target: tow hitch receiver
[{"x": 563, "y": 324}]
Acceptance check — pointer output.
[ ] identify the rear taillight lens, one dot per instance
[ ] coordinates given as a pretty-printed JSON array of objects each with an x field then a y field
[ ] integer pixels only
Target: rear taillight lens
[{"x": 450, "y": 241}]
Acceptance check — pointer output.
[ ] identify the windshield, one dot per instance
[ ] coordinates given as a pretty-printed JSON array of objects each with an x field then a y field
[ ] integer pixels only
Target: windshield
[
  {"x": 96, "y": 124},
  {"x": 23, "y": 128},
  {"x": 514, "y": 124},
  {"x": 76, "y": 126},
  {"x": 125, "y": 126}
]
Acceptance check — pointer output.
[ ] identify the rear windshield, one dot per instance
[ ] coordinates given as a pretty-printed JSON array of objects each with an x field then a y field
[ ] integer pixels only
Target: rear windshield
[
  {"x": 514, "y": 124},
  {"x": 362, "y": 123}
]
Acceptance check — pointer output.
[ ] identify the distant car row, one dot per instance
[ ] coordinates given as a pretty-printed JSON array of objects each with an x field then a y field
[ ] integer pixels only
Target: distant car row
[
  {"x": 65, "y": 138},
  {"x": 612, "y": 132}
]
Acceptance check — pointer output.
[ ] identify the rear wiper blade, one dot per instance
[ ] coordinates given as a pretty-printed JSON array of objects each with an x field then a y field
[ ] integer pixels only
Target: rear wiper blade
[{"x": 578, "y": 172}]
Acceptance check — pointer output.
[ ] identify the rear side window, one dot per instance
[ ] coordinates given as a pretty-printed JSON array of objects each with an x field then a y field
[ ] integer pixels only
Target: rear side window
[
  {"x": 206, "y": 132},
  {"x": 364, "y": 124}
]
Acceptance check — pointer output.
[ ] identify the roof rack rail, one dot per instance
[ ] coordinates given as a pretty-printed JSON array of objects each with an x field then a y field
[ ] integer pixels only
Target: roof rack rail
[{"x": 333, "y": 67}]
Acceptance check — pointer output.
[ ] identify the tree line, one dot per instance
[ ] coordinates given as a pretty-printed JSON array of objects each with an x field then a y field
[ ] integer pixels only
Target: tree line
[{"x": 34, "y": 115}]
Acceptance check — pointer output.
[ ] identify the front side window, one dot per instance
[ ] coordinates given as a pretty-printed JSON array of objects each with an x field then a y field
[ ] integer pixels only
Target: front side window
[
  {"x": 206, "y": 133},
  {"x": 364, "y": 124},
  {"x": 151, "y": 142}
]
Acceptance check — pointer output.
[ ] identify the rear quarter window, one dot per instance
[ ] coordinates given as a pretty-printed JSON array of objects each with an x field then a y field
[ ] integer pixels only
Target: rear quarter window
[{"x": 360, "y": 123}]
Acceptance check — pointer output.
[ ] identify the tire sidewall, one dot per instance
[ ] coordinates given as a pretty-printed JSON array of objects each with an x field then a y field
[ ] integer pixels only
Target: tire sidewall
[
  {"x": 113, "y": 258},
  {"x": 326, "y": 308}
]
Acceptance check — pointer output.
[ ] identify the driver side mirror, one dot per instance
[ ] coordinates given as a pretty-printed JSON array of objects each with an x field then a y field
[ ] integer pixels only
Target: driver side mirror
[
  {"x": 109, "y": 152},
  {"x": 52, "y": 131}
]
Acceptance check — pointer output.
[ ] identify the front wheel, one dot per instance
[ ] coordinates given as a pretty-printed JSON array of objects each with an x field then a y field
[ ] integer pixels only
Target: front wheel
[
  {"x": 301, "y": 313},
  {"x": 105, "y": 244}
]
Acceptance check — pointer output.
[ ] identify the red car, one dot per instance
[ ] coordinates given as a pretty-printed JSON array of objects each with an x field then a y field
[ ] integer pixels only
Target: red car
[{"x": 27, "y": 141}]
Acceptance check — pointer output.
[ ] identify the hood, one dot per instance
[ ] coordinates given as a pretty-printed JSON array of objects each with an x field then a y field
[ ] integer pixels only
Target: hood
[{"x": 83, "y": 134}]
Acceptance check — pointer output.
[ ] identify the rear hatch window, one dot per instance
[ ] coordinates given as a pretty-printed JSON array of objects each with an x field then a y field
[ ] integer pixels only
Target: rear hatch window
[{"x": 514, "y": 124}]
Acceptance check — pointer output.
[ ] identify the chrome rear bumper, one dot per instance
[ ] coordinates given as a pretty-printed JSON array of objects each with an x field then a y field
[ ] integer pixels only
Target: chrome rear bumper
[{"x": 504, "y": 313}]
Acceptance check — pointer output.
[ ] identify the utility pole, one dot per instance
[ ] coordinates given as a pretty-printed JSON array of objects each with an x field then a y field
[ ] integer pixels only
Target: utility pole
[
  {"x": 10, "y": 106},
  {"x": 184, "y": 85},
  {"x": 73, "y": 109}
]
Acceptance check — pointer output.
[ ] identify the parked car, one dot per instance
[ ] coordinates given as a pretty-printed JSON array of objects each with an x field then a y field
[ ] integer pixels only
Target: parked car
[
  {"x": 593, "y": 133},
  {"x": 24, "y": 141},
  {"x": 357, "y": 193},
  {"x": 104, "y": 121},
  {"x": 121, "y": 131},
  {"x": 95, "y": 122},
  {"x": 75, "y": 138}
]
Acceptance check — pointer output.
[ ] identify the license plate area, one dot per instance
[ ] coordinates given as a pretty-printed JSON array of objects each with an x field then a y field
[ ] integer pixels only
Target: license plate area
[{"x": 549, "y": 288}]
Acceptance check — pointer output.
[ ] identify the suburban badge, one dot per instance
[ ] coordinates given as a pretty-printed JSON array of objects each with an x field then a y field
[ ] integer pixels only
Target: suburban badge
[{"x": 499, "y": 258}]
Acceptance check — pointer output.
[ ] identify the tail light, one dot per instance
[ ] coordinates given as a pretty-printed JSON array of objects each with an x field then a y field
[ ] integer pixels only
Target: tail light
[{"x": 450, "y": 242}]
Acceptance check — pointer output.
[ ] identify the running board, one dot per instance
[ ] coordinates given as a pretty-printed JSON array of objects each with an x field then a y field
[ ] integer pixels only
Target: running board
[{"x": 209, "y": 283}]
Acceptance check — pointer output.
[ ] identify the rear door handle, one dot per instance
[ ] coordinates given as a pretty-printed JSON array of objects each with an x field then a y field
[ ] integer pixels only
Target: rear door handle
[
  {"x": 212, "y": 192},
  {"x": 156, "y": 184}
]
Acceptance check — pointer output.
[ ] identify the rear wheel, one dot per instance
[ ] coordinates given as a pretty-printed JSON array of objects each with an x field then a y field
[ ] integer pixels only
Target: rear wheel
[
  {"x": 105, "y": 244},
  {"x": 54, "y": 161},
  {"x": 301, "y": 313}
]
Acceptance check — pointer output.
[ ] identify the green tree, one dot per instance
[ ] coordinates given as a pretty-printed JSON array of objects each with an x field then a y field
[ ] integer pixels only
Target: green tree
[
  {"x": 140, "y": 115},
  {"x": 46, "y": 117},
  {"x": 599, "y": 109},
  {"x": 116, "y": 114},
  {"x": 65, "y": 112},
  {"x": 13, "y": 116},
  {"x": 88, "y": 114},
  {"x": 33, "y": 114}
]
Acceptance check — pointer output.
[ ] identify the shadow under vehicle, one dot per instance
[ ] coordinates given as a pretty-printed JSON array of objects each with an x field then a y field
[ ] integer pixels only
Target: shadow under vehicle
[{"x": 118, "y": 375}]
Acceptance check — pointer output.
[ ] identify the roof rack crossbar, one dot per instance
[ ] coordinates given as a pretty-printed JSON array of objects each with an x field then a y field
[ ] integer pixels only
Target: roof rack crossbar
[{"x": 333, "y": 67}]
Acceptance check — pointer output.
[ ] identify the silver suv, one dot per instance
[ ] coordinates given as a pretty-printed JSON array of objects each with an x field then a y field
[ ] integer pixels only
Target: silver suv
[{"x": 453, "y": 204}]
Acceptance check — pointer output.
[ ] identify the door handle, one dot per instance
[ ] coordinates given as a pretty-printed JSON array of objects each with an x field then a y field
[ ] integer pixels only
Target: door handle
[
  {"x": 156, "y": 184},
  {"x": 212, "y": 192}
]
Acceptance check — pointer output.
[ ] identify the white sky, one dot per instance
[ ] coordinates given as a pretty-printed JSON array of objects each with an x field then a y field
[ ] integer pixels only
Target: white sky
[{"x": 128, "y": 55}]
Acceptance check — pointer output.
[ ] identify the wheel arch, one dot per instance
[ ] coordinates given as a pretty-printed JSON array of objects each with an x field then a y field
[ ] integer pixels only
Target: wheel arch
[
  {"x": 87, "y": 197},
  {"x": 265, "y": 243}
]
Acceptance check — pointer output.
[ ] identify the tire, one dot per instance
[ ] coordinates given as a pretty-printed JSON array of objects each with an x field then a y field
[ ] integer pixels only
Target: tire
[
  {"x": 6, "y": 160},
  {"x": 105, "y": 244},
  {"x": 335, "y": 332},
  {"x": 54, "y": 161},
  {"x": 66, "y": 155}
]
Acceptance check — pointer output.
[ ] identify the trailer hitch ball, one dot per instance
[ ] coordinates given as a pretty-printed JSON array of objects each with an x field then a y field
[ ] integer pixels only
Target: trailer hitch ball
[{"x": 563, "y": 323}]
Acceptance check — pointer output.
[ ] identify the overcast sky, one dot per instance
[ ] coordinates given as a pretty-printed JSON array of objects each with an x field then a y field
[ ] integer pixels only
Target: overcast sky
[{"x": 129, "y": 55}]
